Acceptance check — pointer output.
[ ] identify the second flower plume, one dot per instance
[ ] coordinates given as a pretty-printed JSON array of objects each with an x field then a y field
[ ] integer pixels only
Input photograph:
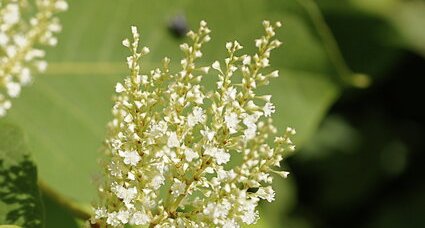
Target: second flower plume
[{"x": 179, "y": 155}]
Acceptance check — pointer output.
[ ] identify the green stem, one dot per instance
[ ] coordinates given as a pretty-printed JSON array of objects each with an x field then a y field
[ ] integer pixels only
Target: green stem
[
  {"x": 77, "y": 209},
  {"x": 331, "y": 47}
]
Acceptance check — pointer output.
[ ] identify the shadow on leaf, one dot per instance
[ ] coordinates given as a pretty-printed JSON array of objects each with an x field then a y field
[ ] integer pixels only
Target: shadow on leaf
[
  {"x": 20, "y": 202},
  {"x": 18, "y": 193}
]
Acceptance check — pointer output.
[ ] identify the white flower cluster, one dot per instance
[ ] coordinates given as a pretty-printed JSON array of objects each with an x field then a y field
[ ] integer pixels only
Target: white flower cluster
[
  {"x": 21, "y": 31},
  {"x": 179, "y": 156}
]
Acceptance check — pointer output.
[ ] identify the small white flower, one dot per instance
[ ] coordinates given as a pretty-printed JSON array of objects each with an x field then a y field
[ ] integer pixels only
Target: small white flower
[
  {"x": 173, "y": 141},
  {"x": 251, "y": 105},
  {"x": 184, "y": 47},
  {"x": 131, "y": 176},
  {"x": 291, "y": 130},
  {"x": 52, "y": 41},
  {"x": 246, "y": 60},
  {"x": 4, "y": 39},
  {"x": 197, "y": 116},
  {"x": 158, "y": 129},
  {"x": 116, "y": 144},
  {"x": 114, "y": 169},
  {"x": 229, "y": 46},
  {"x": 119, "y": 88},
  {"x": 178, "y": 187},
  {"x": 198, "y": 54},
  {"x": 127, "y": 195},
  {"x": 250, "y": 217},
  {"x": 268, "y": 109},
  {"x": 113, "y": 219},
  {"x": 216, "y": 65},
  {"x": 139, "y": 218},
  {"x": 134, "y": 31},
  {"x": 61, "y": 5},
  {"x": 270, "y": 31},
  {"x": 232, "y": 68},
  {"x": 11, "y": 14},
  {"x": 204, "y": 69},
  {"x": 130, "y": 61},
  {"x": 128, "y": 118},
  {"x": 41, "y": 66},
  {"x": 266, "y": 193},
  {"x": 123, "y": 216},
  {"x": 207, "y": 38},
  {"x": 20, "y": 40},
  {"x": 264, "y": 62},
  {"x": 157, "y": 181},
  {"x": 283, "y": 174},
  {"x": 237, "y": 45},
  {"x": 274, "y": 74},
  {"x": 126, "y": 43},
  {"x": 217, "y": 211},
  {"x": 278, "y": 24},
  {"x": 145, "y": 50},
  {"x": 35, "y": 53},
  {"x": 232, "y": 121},
  {"x": 219, "y": 154},
  {"x": 230, "y": 94},
  {"x": 25, "y": 77},
  {"x": 230, "y": 223},
  {"x": 190, "y": 154},
  {"x": 130, "y": 158},
  {"x": 258, "y": 43},
  {"x": 209, "y": 134},
  {"x": 11, "y": 51},
  {"x": 55, "y": 27},
  {"x": 251, "y": 120},
  {"x": 7, "y": 105},
  {"x": 13, "y": 89},
  {"x": 250, "y": 133},
  {"x": 100, "y": 213}
]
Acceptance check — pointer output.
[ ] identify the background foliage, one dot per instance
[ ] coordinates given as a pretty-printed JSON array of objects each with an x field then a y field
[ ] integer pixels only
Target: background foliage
[{"x": 356, "y": 144}]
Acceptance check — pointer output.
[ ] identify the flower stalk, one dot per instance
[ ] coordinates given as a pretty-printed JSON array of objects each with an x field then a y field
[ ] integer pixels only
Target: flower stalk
[
  {"x": 19, "y": 41},
  {"x": 179, "y": 155}
]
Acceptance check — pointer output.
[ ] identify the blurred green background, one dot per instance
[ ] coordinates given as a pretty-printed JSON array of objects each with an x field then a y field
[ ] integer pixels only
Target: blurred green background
[{"x": 359, "y": 162}]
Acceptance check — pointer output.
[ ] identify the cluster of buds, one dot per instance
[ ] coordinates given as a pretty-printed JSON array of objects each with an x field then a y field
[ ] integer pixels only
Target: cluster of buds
[
  {"x": 180, "y": 156},
  {"x": 24, "y": 25}
]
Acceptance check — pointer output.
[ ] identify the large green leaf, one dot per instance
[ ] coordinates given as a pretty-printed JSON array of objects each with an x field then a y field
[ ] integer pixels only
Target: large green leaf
[
  {"x": 65, "y": 111},
  {"x": 403, "y": 20},
  {"x": 57, "y": 216},
  {"x": 20, "y": 202}
]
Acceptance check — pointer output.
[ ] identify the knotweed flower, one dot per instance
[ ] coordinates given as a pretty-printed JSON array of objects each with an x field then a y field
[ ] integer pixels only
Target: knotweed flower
[
  {"x": 24, "y": 26},
  {"x": 180, "y": 156}
]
